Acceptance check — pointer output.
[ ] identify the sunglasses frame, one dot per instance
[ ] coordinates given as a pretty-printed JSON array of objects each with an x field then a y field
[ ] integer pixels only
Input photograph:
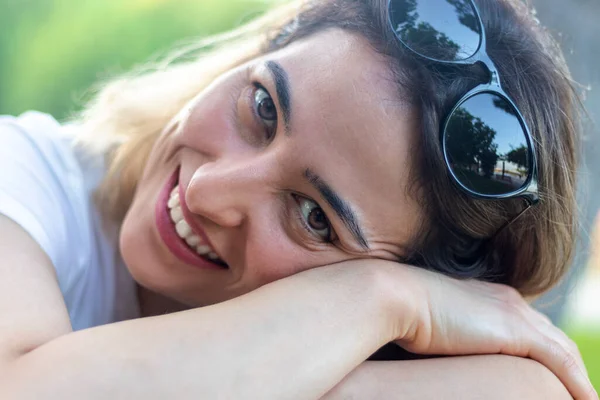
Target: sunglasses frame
[{"x": 529, "y": 190}]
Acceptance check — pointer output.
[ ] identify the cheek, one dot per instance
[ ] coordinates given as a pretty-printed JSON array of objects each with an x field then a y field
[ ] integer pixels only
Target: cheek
[
  {"x": 275, "y": 256},
  {"x": 131, "y": 244},
  {"x": 209, "y": 123},
  {"x": 138, "y": 240}
]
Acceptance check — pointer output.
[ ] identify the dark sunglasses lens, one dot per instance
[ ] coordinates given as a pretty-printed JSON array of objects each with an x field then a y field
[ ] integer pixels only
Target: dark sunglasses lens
[
  {"x": 486, "y": 146},
  {"x": 444, "y": 30}
]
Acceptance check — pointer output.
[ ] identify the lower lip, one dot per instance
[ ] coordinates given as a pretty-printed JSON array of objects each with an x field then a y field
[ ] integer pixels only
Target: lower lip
[{"x": 168, "y": 234}]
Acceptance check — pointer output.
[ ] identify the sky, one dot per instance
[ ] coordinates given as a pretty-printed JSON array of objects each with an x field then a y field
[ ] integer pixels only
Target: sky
[{"x": 442, "y": 16}]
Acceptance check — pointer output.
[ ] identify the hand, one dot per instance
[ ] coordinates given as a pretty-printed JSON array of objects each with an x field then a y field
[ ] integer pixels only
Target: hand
[{"x": 452, "y": 317}]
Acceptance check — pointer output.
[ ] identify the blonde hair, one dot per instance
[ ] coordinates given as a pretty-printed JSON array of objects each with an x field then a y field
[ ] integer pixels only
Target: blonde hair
[{"x": 123, "y": 121}]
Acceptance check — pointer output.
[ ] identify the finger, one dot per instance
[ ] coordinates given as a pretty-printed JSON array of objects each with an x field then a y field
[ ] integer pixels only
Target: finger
[
  {"x": 563, "y": 363},
  {"x": 546, "y": 328},
  {"x": 563, "y": 340},
  {"x": 555, "y": 350}
]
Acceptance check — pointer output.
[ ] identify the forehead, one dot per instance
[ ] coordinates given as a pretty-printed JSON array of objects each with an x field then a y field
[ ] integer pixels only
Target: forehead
[{"x": 350, "y": 125}]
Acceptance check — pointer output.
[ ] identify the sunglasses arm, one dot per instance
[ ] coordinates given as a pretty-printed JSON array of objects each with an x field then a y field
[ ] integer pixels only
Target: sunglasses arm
[{"x": 530, "y": 199}]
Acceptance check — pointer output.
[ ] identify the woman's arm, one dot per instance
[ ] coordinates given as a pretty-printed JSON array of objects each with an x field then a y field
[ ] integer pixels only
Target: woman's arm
[
  {"x": 490, "y": 377},
  {"x": 294, "y": 338}
]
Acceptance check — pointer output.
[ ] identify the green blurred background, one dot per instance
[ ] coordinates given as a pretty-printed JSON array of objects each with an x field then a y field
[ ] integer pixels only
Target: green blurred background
[{"x": 52, "y": 51}]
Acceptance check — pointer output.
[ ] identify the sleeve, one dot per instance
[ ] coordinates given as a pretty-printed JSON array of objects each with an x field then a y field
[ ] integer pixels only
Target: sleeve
[{"x": 34, "y": 180}]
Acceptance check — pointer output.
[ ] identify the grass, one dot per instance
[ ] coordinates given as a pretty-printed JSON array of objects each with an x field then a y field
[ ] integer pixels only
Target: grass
[{"x": 589, "y": 345}]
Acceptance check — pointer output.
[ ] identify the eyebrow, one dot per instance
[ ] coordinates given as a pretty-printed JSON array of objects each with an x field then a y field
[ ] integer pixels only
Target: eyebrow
[
  {"x": 282, "y": 85},
  {"x": 341, "y": 208}
]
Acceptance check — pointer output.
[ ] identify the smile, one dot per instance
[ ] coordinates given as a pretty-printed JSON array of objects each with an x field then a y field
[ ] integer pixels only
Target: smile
[
  {"x": 184, "y": 230},
  {"x": 185, "y": 240}
]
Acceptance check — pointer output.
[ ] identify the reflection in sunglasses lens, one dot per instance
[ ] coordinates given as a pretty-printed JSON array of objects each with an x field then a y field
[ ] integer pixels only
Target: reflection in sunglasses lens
[
  {"x": 486, "y": 146},
  {"x": 444, "y": 30}
]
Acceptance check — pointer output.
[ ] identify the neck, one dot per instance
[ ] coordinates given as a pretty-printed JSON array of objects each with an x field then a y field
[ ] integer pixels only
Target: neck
[{"x": 153, "y": 304}]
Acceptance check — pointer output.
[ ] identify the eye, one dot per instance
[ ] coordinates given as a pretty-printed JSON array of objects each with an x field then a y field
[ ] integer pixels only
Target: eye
[
  {"x": 265, "y": 110},
  {"x": 314, "y": 219}
]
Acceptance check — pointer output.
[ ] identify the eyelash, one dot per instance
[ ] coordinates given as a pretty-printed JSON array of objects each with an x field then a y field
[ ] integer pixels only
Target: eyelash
[
  {"x": 297, "y": 197},
  {"x": 311, "y": 231},
  {"x": 269, "y": 131}
]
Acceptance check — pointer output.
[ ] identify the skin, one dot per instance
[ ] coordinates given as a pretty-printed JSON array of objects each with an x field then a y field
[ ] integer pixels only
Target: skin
[
  {"x": 346, "y": 124},
  {"x": 328, "y": 320}
]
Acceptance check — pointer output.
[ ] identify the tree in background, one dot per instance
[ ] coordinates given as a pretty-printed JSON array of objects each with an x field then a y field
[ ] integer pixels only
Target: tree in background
[
  {"x": 519, "y": 156},
  {"x": 470, "y": 143}
]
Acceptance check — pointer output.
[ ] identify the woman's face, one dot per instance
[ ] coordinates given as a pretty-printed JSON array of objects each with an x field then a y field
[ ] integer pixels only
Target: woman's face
[{"x": 295, "y": 160}]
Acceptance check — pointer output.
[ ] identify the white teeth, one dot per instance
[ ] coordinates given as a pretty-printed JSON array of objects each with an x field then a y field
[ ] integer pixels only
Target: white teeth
[
  {"x": 183, "y": 229},
  {"x": 203, "y": 250},
  {"x": 173, "y": 201},
  {"x": 193, "y": 240},
  {"x": 176, "y": 214}
]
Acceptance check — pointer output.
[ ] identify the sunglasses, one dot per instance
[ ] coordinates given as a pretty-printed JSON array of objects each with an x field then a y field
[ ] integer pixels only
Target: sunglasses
[{"x": 486, "y": 143}]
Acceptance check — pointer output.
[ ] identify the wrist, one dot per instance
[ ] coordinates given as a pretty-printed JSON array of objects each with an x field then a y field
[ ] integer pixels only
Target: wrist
[
  {"x": 371, "y": 290},
  {"x": 402, "y": 297},
  {"x": 395, "y": 296}
]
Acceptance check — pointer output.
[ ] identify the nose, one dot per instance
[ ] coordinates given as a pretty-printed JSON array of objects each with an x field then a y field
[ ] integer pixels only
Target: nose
[{"x": 225, "y": 190}]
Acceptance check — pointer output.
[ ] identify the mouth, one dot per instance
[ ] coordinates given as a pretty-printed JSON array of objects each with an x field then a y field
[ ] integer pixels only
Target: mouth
[{"x": 188, "y": 244}]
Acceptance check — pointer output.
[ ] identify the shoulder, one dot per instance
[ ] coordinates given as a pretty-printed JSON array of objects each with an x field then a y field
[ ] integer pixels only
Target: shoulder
[
  {"x": 34, "y": 140},
  {"x": 31, "y": 129},
  {"x": 48, "y": 191},
  {"x": 40, "y": 180}
]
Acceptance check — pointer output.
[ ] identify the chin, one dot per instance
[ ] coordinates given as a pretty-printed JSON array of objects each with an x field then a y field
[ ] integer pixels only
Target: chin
[{"x": 153, "y": 268}]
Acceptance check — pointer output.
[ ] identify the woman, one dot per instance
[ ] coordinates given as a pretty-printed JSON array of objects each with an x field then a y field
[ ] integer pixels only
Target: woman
[{"x": 277, "y": 181}]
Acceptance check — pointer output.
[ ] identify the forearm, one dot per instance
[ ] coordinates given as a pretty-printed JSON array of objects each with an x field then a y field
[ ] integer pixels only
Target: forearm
[
  {"x": 490, "y": 377},
  {"x": 302, "y": 327}
]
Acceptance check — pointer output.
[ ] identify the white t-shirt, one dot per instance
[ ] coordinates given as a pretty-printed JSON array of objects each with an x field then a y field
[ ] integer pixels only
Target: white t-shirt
[{"x": 46, "y": 186}]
